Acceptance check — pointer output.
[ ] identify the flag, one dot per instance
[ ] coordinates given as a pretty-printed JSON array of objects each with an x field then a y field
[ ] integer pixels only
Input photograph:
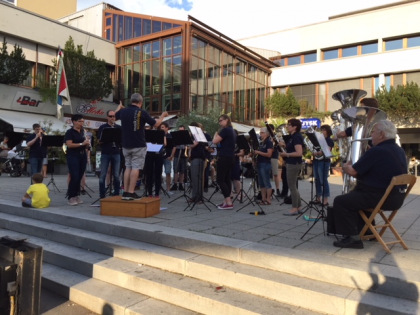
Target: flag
[{"x": 63, "y": 95}]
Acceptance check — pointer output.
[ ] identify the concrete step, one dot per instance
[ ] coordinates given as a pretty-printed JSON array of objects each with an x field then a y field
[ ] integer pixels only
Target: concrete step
[
  {"x": 101, "y": 297},
  {"x": 180, "y": 290},
  {"x": 296, "y": 287},
  {"x": 285, "y": 288},
  {"x": 336, "y": 270}
]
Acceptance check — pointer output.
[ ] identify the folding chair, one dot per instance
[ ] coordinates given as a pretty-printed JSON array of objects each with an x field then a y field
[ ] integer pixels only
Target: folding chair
[{"x": 405, "y": 179}]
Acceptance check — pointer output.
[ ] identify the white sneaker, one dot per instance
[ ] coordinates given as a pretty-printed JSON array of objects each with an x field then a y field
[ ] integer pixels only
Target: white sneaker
[
  {"x": 73, "y": 201},
  {"x": 78, "y": 199}
]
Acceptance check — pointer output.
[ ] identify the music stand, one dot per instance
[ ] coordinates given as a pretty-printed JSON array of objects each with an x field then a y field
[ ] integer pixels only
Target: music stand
[
  {"x": 242, "y": 144},
  {"x": 319, "y": 142},
  {"x": 181, "y": 137},
  {"x": 109, "y": 135},
  {"x": 53, "y": 141},
  {"x": 253, "y": 145}
]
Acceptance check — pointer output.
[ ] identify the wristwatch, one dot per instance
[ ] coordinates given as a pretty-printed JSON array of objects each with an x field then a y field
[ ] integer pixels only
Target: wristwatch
[{"x": 81, "y": 143}]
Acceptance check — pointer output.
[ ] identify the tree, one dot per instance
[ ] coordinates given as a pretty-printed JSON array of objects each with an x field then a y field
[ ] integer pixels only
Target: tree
[
  {"x": 283, "y": 105},
  {"x": 87, "y": 76},
  {"x": 210, "y": 121},
  {"x": 400, "y": 103},
  {"x": 14, "y": 68}
]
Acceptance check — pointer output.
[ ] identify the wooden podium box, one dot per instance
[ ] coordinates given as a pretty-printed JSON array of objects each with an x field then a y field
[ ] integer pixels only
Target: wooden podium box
[{"x": 142, "y": 208}]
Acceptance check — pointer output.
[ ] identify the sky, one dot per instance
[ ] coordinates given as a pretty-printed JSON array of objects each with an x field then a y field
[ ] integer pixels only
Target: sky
[{"x": 239, "y": 19}]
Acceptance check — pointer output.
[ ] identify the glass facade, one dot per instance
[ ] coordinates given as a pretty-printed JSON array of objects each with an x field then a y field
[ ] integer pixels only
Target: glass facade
[
  {"x": 204, "y": 75},
  {"x": 124, "y": 26},
  {"x": 154, "y": 69},
  {"x": 221, "y": 81}
]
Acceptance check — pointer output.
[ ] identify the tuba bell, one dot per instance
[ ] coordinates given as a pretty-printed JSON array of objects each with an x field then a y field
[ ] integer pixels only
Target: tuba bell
[
  {"x": 348, "y": 99},
  {"x": 362, "y": 120}
]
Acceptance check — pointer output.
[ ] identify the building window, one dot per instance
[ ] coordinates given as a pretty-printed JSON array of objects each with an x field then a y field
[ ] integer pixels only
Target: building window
[
  {"x": 128, "y": 27},
  {"x": 309, "y": 57},
  {"x": 394, "y": 44},
  {"x": 369, "y": 48},
  {"x": 331, "y": 54},
  {"x": 413, "y": 41},
  {"x": 157, "y": 26},
  {"x": 293, "y": 61},
  {"x": 147, "y": 27},
  {"x": 137, "y": 27},
  {"x": 349, "y": 51}
]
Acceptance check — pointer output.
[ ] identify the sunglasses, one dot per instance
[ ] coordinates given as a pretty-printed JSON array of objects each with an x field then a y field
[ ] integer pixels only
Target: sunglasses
[{"x": 111, "y": 116}]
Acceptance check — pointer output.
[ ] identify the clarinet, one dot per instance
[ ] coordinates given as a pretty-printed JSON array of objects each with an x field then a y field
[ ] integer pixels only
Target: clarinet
[{"x": 273, "y": 136}]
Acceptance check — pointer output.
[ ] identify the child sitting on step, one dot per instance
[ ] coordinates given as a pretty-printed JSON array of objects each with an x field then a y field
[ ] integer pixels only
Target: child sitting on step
[{"x": 37, "y": 194}]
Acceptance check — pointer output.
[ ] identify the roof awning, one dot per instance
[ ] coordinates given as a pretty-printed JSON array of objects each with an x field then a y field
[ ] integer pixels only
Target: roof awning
[
  {"x": 244, "y": 128},
  {"x": 22, "y": 122}
]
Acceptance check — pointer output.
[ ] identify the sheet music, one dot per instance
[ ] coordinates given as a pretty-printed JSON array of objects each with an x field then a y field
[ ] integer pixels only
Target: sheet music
[
  {"x": 198, "y": 134},
  {"x": 323, "y": 143},
  {"x": 154, "y": 147}
]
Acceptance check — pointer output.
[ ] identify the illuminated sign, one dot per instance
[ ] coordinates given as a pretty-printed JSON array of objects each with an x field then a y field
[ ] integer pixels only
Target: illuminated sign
[{"x": 310, "y": 122}]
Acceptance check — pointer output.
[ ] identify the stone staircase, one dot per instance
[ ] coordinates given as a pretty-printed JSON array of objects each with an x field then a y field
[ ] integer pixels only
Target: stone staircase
[{"x": 108, "y": 263}]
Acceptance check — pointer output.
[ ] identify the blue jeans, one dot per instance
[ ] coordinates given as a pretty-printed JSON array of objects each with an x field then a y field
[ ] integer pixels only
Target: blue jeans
[
  {"x": 36, "y": 165},
  {"x": 321, "y": 172},
  {"x": 76, "y": 164},
  {"x": 264, "y": 175},
  {"x": 114, "y": 160}
]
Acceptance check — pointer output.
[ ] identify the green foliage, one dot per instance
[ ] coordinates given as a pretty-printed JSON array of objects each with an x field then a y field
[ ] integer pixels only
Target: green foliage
[
  {"x": 313, "y": 113},
  {"x": 14, "y": 68},
  {"x": 87, "y": 76},
  {"x": 401, "y": 103},
  {"x": 283, "y": 105},
  {"x": 210, "y": 122}
]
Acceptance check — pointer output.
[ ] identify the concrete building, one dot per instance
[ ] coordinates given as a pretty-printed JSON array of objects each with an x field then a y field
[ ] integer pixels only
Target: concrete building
[
  {"x": 358, "y": 50},
  {"x": 39, "y": 37},
  {"x": 47, "y": 8}
]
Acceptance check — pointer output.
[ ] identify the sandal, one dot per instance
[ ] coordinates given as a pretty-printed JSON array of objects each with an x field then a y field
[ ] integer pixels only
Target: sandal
[{"x": 263, "y": 203}]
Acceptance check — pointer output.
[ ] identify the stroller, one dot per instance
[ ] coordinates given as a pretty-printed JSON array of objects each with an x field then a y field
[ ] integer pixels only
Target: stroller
[{"x": 12, "y": 164}]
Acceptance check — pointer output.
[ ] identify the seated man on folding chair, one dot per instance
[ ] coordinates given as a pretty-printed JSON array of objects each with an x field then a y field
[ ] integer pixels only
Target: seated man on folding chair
[{"x": 373, "y": 171}]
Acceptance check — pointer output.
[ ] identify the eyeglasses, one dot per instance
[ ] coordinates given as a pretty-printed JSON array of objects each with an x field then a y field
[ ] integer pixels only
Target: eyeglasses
[
  {"x": 220, "y": 120},
  {"x": 81, "y": 121},
  {"x": 111, "y": 116}
]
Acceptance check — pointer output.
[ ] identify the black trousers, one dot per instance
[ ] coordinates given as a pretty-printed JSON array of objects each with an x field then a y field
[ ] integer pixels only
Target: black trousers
[
  {"x": 223, "y": 176},
  {"x": 153, "y": 173},
  {"x": 345, "y": 211}
]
